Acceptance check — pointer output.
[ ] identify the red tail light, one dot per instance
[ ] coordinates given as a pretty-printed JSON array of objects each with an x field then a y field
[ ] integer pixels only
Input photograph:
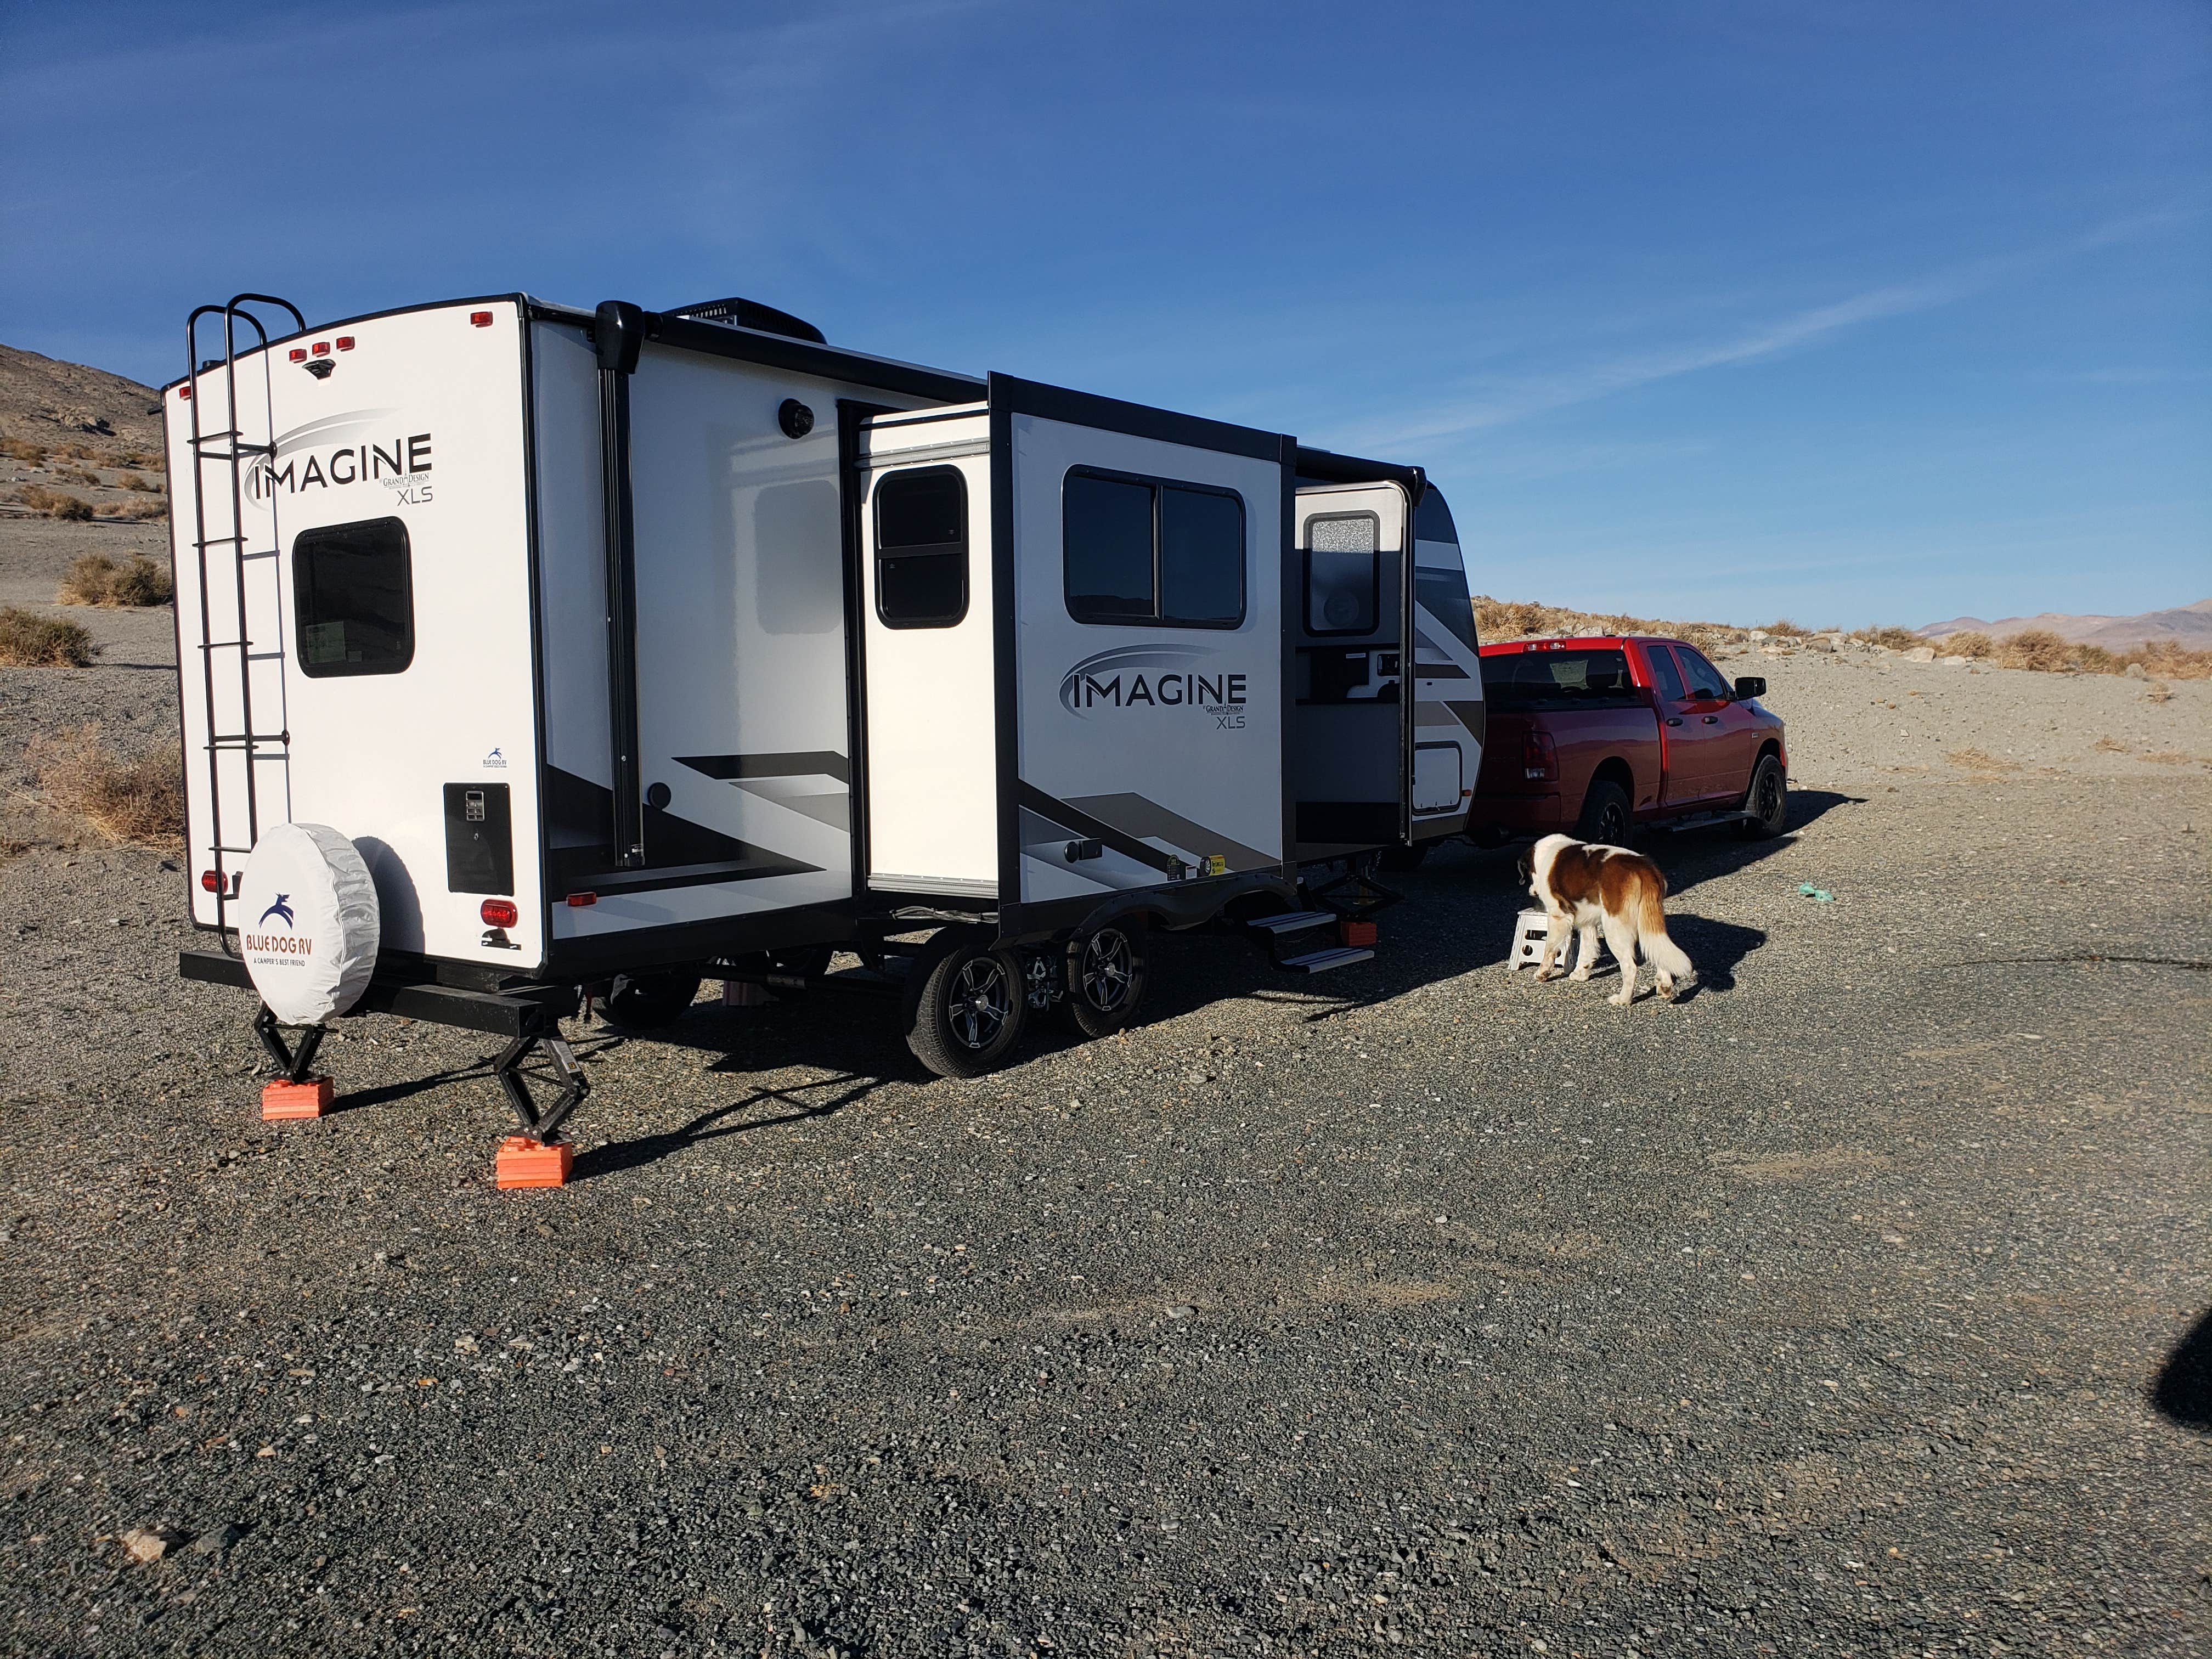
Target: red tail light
[
  {"x": 580, "y": 901},
  {"x": 322, "y": 348},
  {"x": 345, "y": 343},
  {"x": 211, "y": 882},
  {"x": 299, "y": 354},
  {"x": 479, "y": 320},
  {"x": 1539, "y": 757},
  {"x": 500, "y": 913}
]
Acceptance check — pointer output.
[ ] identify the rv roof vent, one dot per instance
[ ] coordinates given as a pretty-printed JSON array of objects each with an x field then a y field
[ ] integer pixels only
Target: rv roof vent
[{"x": 752, "y": 313}]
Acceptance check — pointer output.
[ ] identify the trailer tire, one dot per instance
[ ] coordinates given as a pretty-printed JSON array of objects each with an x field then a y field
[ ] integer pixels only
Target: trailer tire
[
  {"x": 1105, "y": 977},
  {"x": 1767, "y": 800},
  {"x": 1607, "y": 818},
  {"x": 965, "y": 1001},
  {"x": 646, "y": 1002}
]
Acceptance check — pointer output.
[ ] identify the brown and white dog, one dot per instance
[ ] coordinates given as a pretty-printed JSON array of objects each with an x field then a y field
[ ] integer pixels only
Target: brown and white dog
[{"x": 1585, "y": 886}]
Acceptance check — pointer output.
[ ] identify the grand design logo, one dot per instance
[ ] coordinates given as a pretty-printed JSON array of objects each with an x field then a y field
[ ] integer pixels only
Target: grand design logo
[
  {"x": 344, "y": 449},
  {"x": 1155, "y": 676}
]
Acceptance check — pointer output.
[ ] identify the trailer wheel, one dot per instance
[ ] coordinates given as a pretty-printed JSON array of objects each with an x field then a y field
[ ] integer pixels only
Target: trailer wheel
[
  {"x": 645, "y": 1002},
  {"x": 1606, "y": 817},
  {"x": 1767, "y": 800},
  {"x": 964, "y": 1004},
  {"x": 1105, "y": 977}
]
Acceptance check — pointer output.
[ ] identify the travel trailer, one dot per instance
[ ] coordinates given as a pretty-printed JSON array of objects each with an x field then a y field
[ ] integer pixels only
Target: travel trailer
[{"x": 593, "y": 654}]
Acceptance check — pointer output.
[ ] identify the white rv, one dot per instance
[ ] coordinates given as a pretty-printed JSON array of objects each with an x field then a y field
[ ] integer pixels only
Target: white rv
[{"x": 631, "y": 649}]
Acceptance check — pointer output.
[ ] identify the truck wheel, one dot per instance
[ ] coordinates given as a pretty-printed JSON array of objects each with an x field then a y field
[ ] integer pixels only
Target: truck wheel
[
  {"x": 1767, "y": 800},
  {"x": 964, "y": 1003},
  {"x": 1404, "y": 858},
  {"x": 1105, "y": 977},
  {"x": 1606, "y": 817},
  {"x": 645, "y": 1002}
]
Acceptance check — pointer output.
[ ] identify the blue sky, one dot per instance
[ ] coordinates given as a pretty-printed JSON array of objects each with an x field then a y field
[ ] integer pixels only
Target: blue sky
[{"x": 1852, "y": 312}]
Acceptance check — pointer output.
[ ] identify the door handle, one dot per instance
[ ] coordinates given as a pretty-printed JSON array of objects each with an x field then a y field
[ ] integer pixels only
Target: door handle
[
  {"x": 1674, "y": 720},
  {"x": 1712, "y": 719}
]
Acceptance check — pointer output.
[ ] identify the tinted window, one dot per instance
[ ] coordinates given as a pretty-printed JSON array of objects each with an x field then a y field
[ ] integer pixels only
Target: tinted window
[
  {"x": 353, "y": 588},
  {"x": 1146, "y": 550},
  {"x": 1433, "y": 521},
  {"x": 1705, "y": 679},
  {"x": 1443, "y": 594},
  {"x": 1344, "y": 573},
  {"x": 1531, "y": 676},
  {"x": 1108, "y": 525},
  {"x": 1201, "y": 557},
  {"x": 1664, "y": 674},
  {"x": 921, "y": 548}
]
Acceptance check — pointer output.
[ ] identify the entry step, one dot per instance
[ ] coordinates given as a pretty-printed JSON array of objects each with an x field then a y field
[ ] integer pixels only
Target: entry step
[
  {"x": 1321, "y": 962},
  {"x": 1294, "y": 921}
]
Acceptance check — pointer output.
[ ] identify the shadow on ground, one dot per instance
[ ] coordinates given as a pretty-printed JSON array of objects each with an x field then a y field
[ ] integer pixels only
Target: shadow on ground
[{"x": 2183, "y": 1391}]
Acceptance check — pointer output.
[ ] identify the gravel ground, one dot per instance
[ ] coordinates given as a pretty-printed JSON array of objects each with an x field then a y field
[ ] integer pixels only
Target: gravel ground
[{"x": 1421, "y": 1305}]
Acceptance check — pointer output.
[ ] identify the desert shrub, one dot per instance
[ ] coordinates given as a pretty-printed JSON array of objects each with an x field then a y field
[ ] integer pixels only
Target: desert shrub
[
  {"x": 146, "y": 460},
  {"x": 1522, "y": 619},
  {"x": 96, "y": 578},
  {"x": 2036, "y": 648},
  {"x": 77, "y": 475},
  {"x": 22, "y": 449},
  {"x": 2166, "y": 659},
  {"x": 30, "y": 640},
  {"x": 151, "y": 506},
  {"x": 2095, "y": 660},
  {"x": 1783, "y": 627},
  {"x": 137, "y": 798},
  {"x": 53, "y": 503},
  {"x": 1897, "y": 639},
  {"x": 1973, "y": 645},
  {"x": 135, "y": 481}
]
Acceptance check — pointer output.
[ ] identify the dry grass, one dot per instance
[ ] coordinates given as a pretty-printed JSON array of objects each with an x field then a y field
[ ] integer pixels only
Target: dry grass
[
  {"x": 1897, "y": 639},
  {"x": 153, "y": 506},
  {"x": 1977, "y": 646},
  {"x": 78, "y": 475},
  {"x": 96, "y": 578},
  {"x": 135, "y": 481},
  {"x": 137, "y": 798},
  {"x": 2034, "y": 648},
  {"x": 145, "y": 460},
  {"x": 1782, "y": 628},
  {"x": 1981, "y": 763},
  {"x": 53, "y": 503},
  {"x": 22, "y": 449},
  {"x": 1522, "y": 619},
  {"x": 30, "y": 640}
]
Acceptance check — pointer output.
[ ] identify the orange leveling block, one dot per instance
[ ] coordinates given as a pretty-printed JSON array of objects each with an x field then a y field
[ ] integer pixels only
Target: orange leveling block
[
  {"x": 523, "y": 1162},
  {"x": 282, "y": 1099}
]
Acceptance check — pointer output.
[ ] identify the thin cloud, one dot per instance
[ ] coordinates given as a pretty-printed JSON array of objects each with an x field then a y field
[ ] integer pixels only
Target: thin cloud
[{"x": 1519, "y": 400}]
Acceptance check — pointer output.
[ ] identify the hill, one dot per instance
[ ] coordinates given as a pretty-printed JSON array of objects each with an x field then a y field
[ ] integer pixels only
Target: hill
[{"x": 2189, "y": 626}]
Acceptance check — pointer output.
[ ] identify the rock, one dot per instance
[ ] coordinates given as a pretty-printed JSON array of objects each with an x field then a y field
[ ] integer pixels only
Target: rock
[
  {"x": 1921, "y": 654},
  {"x": 1819, "y": 642},
  {"x": 147, "y": 1545},
  {"x": 219, "y": 1539},
  {"x": 2135, "y": 671},
  {"x": 1955, "y": 662}
]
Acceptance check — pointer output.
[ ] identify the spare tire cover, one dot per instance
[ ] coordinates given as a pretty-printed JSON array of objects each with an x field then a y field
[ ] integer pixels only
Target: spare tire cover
[{"x": 307, "y": 922}]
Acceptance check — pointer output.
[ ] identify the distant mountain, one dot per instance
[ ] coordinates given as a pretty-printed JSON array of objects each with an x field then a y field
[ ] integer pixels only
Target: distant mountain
[
  {"x": 47, "y": 402},
  {"x": 2191, "y": 625}
]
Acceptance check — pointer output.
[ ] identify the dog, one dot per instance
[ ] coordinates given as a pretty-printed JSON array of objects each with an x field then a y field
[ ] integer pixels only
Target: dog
[{"x": 1585, "y": 886}]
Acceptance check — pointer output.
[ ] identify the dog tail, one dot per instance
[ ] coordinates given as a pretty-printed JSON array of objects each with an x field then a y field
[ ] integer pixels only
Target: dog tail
[{"x": 1661, "y": 952}]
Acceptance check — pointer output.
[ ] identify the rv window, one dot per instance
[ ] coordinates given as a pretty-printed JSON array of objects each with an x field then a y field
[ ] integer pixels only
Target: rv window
[
  {"x": 1148, "y": 551},
  {"x": 1344, "y": 573},
  {"x": 921, "y": 548},
  {"x": 353, "y": 588}
]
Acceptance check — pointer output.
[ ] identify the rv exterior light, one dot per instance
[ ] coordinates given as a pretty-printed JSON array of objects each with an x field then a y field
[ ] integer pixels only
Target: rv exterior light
[
  {"x": 579, "y": 901},
  {"x": 211, "y": 882},
  {"x": 322, "y": 348},
  {"x": 796, "y": 419},
  {"x": 345, "y": 343},
  {"x": 184, "y": 394},
  {"x": 500, "y": 913},
  {"x": 299, "y": 354},
  {"x": 479, "y": 320}
]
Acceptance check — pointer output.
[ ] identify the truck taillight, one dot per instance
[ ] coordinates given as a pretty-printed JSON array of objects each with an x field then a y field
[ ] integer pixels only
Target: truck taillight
[
  {"x": 500, "y": 913},
  {"x": 1539, "y": 757}
]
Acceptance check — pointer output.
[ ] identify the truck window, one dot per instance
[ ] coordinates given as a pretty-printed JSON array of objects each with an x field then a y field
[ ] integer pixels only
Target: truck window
[
  {"x": 1705, "y": 679},
  {"x": 921, "y": 548},
  {"x": 1664, "y": 674},
  {"x": 1524, "y": 678},
  {"x": 353, "y": 593},
  {"x": 1140, "y": 549},
  {"x": 1344, "y": 573},
  {"x": 1443, "y": 594}
]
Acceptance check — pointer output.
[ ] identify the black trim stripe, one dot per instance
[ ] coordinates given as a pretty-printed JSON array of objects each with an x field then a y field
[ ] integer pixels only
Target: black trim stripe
[
  {"x": 1034, "y": 799},
  {"x": 801, "y": 763},
  {"x": 1053, "y": 402}
]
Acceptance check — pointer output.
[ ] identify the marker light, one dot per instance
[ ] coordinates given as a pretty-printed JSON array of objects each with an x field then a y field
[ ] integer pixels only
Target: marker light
[
  {"x": 345, "y": 343},
  {"x": 479, "y": 320},
  {"x": 322, "y": 348},
  {"x": 579, "y": 901},
  {"x": 211, "y": 882},
  {"x": 299, "y": 354},
  {"x": 500, "y": 913}
]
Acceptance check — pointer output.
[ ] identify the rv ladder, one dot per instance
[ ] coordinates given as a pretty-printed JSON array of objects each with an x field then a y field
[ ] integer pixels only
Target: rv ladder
[{"x": 239, "y": 591}]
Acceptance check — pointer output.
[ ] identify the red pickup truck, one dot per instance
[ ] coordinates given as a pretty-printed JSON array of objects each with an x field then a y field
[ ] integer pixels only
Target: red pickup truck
[{"x": 1592, "y": 737}]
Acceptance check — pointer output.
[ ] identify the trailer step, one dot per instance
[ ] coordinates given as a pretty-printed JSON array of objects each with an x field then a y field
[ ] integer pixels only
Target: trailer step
[
  {"x": 1294, "y": 921},
  {"x": 1319, "y": 961}
]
